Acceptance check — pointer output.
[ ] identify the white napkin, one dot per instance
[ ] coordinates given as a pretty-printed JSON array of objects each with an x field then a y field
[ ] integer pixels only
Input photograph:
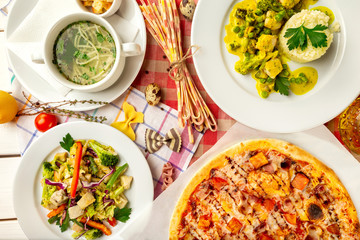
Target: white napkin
[{"x": 28, "y": 37}]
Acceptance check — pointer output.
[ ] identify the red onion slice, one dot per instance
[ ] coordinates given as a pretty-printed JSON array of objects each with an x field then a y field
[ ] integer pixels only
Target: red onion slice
[
  {"x": 95, "y": 184},
  {"x": 52, "y": 183}
]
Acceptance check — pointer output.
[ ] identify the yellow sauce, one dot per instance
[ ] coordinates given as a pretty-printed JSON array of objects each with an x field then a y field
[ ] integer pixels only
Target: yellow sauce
[
  {"x": 310, "y": 73},
  {"x": 261, "y": 87},
  {"x": 307, "y": 3},
  {"x": 248, "y": 4},
  {"x": 327, "y": 11},
  {"x": 233, "y": 21}
]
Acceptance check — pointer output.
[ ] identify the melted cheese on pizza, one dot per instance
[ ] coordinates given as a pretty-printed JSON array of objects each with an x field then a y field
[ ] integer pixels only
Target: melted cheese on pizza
[{"x": 266, "y": 195}]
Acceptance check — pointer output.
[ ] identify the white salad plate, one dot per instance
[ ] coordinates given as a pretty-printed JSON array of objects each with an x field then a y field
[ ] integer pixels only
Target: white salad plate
[
  {"x": 40, "y": 88},
  {"x": 27, "y": 188},
  {"x": 338, "y": 84}
]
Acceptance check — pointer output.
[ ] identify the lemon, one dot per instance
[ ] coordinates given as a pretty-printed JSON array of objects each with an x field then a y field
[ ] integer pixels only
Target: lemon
[{"x": 8, "y": 107}]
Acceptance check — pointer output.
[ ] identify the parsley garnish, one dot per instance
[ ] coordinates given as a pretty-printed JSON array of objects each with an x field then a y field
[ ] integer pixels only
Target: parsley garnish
[
  {"x": 66, "y": 223},
  {"x": 282, "y": 85},
  {"x": 298, "y": 37},
  {"x": 123, "y": 214},
  {"x": 110, "y": 39},
  {"x": 77, "y": 53},
  {"x": 92, "y": 69},
  {"x": 100, "y": 37},
  {"x": 85, "y": 76},
  {"x": 85, "y": 56},
  {"x": 67, "y": 142}
]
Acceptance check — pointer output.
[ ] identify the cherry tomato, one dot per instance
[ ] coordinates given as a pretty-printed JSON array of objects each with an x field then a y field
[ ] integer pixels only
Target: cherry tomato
[
  {"x": 112, "y": 221},
  {"x": 45, "y": 121}
]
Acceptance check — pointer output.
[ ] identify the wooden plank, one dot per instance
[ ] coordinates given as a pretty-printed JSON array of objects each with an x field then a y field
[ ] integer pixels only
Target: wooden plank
[
  {"x": 7, "y": 174},
  {"x": 5, "y": 83},
  {"x": 8, "y": 139},
  {"x": 11, "y": 229}
]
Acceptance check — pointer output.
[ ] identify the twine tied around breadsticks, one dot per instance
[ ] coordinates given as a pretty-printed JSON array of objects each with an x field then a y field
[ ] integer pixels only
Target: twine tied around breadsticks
[{"x": 192, "y": 109}]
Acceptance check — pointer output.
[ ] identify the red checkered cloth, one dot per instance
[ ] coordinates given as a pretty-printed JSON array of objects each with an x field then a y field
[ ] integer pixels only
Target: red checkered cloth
[{"x": 155, "y": 69}]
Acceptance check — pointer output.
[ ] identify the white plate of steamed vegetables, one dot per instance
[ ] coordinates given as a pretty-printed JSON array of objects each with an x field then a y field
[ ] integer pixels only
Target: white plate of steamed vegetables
[{"x": 81, "y": 184}]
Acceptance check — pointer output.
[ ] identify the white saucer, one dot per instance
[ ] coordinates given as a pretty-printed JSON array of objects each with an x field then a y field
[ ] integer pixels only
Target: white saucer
[{"x": 41, "y": 89}]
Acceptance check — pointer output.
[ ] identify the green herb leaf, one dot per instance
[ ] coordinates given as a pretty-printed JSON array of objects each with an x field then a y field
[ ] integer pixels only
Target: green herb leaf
[
  {"x": 317, "y": 38},
  {"x": 66, "y": 223},
  {"x": 123, "y": 214},
  {"x": 67, "y": 142},
  {"x": 298, "y": 37},
  {"x": 85, "y": 76},
  {"x": 100, "y": 37},
  {"x": 282, "y": 85},
  {"x": 109, "y": 39},
  {"x": 77, "y": 53},
  {"x": 85, "y": 56}
]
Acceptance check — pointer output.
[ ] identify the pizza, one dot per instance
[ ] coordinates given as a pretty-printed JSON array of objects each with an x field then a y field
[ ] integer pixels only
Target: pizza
[{"x": 265, "y": 189}]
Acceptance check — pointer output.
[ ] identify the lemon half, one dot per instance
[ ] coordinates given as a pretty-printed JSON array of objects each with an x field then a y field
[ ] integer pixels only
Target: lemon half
[{"x": 8, "y": 107}]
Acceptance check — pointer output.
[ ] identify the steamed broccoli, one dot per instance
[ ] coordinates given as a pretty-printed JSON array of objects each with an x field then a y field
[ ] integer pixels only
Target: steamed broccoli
[
  {"x": 107, "y": 154},
  {"x": 240, "y": 13},
  {"x": 48, "y": 191},
  {"x": 90, "y": 234},
  {"x": 48, "y": 171},
  {"x": 93, "y": 234},
  {"x": 265, "y": 5}
]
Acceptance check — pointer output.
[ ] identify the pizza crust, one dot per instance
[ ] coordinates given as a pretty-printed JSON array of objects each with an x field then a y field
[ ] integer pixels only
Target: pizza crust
[{"x": 283, "y": 147}]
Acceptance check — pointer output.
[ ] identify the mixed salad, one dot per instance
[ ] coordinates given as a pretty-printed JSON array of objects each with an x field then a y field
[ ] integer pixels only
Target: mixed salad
[{"x": 84, "y": 189}]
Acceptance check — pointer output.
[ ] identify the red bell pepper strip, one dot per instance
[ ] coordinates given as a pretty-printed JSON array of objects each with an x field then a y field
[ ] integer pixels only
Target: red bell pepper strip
[
  {"x": 112, "y": 221},
  {"x": 75, "y": 179}
]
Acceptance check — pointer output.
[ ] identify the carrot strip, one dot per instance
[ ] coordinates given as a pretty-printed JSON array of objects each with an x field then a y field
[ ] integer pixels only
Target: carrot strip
[
  {"x": 55, "y": 212},
  {"x": 97, "y": 225},
  {"x": 75, "y": 179}
]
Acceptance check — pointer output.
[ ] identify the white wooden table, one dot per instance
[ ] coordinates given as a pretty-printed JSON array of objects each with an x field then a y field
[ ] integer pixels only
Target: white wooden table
[{"x": 9, "y": 157}]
